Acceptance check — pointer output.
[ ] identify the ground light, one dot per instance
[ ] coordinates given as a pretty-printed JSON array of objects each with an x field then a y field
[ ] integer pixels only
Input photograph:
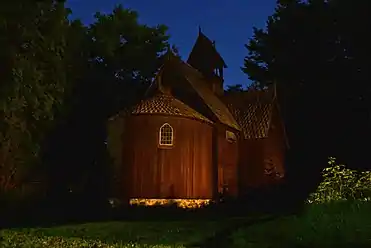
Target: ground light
[{"x": 182, "y": 203}]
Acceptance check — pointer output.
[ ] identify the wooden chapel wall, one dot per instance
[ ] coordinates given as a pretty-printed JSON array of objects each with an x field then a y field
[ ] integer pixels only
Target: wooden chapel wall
[
  {"x": 251, "y": 166},
  {"x": 227, "y": 161},
  {"x": 182, "y": 171},
  {"x": 275, "y": 147}
]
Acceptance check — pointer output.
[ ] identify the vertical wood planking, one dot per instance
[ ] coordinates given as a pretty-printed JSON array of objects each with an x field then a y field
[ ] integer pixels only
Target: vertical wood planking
[{"x": 184, "y": 170}]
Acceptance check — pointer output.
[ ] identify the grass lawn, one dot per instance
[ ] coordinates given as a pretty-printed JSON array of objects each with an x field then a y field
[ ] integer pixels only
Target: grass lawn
[
  {"x": 342, "y": 224},
  {"x": 117, "y": 234}
]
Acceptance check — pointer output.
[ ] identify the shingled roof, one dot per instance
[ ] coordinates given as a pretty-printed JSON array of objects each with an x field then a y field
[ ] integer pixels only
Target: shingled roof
[
  {"x": 253, "y": 111},
  {"x": 216, "y": 105},
  {"x": 197, "y": 83},
  {"x": 167, "y": 104}
]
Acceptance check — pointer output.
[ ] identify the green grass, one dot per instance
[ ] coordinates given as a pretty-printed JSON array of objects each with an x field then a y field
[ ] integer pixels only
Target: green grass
[
  {"x": 123, "y": 234},
  {"x": 344, "y": 224}
]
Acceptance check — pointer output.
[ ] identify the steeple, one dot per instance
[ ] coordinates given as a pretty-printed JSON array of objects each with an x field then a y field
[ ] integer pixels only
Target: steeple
[
  {"x": 169, "y": 53},
  {"x": 205, "y": 58},
  {"x": 159, "y": 83}
]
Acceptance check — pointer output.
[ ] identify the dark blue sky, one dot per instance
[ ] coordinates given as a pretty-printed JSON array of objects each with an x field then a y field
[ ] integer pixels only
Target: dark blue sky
[{"x": 229, "y": 23}]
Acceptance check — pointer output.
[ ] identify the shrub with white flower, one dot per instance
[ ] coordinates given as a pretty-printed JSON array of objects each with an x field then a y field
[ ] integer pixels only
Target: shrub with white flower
[{"x": 340, "y": 183}]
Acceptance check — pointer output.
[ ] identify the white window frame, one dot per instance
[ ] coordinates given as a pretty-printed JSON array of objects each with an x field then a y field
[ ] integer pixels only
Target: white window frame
[{"x": 160, "y": 141}]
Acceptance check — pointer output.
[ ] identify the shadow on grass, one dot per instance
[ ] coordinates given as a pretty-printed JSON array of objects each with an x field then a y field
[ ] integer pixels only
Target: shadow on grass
[
  {"x": 150, "y": 226},
  {"x": 262, "y": 205},
  {"x": 339, "y": 223},
  {"x": 211, "y": 226},
  {"x": 74, "y": 210},
  {"x": 222, "y": 238},
  {"x": 147, "y": 227},
  {"x": 62, "y": 215}
]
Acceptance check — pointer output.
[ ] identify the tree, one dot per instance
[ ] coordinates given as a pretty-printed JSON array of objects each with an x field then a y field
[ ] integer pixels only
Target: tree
[
  {"x": 125, "y": 51},
  {"x": 235, "y": 88},
  {"x": 119, "y": 58},
  {"x": 33, "y": 83},
  {"x": 316, "y": 52}
]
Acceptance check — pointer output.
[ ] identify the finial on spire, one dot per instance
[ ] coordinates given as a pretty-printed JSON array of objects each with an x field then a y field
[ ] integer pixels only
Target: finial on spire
[
  {"x": 199, "y": 29},
  {"x": 168, "y": 51},
  {"x": 274, "y": 89}
]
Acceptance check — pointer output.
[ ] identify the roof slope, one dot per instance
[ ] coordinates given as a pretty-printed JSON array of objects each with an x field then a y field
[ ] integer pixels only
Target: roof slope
[
  {"x": 253, "y": 111},
  {"x": 193, "y": 79},
  {"x": 216, "y": 105},
  {"x": 167, "y": 104}
]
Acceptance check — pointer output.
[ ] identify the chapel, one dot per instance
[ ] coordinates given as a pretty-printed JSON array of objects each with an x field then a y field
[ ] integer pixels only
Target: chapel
[{"x": 189, "y": 139}]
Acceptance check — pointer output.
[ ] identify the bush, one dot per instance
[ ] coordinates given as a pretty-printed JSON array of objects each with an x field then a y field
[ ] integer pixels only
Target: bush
[{"x": 341, "y": 183}]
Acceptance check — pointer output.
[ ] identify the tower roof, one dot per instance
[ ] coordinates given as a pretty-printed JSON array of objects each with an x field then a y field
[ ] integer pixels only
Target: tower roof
[{"x": 206, "y": 48}]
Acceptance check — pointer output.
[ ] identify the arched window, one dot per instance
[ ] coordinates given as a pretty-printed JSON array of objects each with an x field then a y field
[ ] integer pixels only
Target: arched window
[{"x": 166, "y": 135}]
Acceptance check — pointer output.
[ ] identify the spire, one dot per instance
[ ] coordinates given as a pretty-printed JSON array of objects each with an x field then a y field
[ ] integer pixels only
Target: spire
[
  {"x": 159, "y": 80},
  {"x": 168, "y": 49},
  {"x": 274, "y": 89},
  {"x": 169, "y": 52}
]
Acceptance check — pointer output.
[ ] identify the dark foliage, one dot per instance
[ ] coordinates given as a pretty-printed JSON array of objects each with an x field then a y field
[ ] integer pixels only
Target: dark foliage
[{"x": 315, "y": 51}]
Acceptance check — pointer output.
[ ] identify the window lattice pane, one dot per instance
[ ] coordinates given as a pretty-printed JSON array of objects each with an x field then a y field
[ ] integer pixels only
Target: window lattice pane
[{"x": 166, "y": 135}]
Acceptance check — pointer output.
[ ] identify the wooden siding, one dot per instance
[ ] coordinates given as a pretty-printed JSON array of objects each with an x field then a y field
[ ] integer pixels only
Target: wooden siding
[
  {"x": 275, "y": 148},
  {"x": 256, "y": 154},
  {"x": 181, "y": 171},
  {"x": 251, "y": 166},
  {"x": 227, "y": 161}
]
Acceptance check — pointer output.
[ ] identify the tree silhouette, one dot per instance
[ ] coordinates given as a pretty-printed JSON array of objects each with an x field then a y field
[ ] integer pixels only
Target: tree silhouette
[
  {"x": 316, "y": 52},
  {"x": 33, "y": 83},
  {"x": 235, "y": 88},
  {"x": 118, "y": 59}
]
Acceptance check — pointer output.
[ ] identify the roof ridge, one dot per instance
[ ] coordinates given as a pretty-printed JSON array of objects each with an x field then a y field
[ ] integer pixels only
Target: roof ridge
[{"x": 214, "y": 103}]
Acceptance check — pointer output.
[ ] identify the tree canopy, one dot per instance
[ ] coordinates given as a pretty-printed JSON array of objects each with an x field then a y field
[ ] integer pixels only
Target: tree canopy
[
  {"x": 61, "y": 80},
  {"x": 33, "y": 82},
  {"x": 121, "y": 57}
]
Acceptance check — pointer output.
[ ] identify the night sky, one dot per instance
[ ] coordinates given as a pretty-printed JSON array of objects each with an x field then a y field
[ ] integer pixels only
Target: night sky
[{"x": 229, "y": 23}]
